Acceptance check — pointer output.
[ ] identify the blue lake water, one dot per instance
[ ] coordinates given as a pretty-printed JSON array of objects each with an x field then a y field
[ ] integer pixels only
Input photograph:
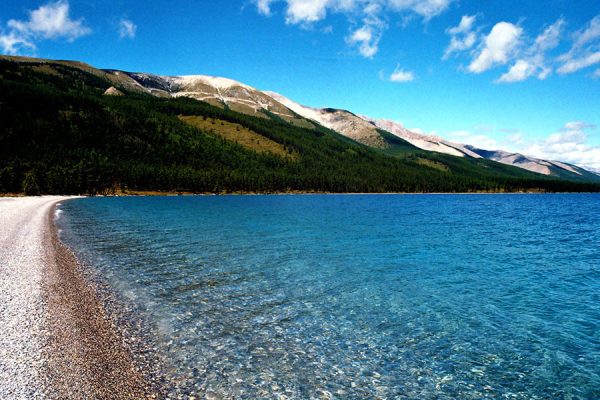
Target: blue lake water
[{"x": 378, "y": 296}]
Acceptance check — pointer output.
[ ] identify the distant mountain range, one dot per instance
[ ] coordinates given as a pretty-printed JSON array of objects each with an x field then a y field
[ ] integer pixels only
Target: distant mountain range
[
  {"x": 136, "y": 140},
  {"x": 239, "y": 97}
]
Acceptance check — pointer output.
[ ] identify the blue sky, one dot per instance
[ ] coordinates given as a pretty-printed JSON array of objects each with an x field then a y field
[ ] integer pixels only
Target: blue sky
[{"x": 518, "y": 75}]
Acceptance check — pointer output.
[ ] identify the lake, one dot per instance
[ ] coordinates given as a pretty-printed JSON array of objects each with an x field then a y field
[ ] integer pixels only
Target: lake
[{"x": 357, "y": 296}]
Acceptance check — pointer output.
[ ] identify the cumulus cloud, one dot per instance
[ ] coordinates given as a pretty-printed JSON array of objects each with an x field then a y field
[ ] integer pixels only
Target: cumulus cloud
[
  {"x": 367, "y": 37},
  {"x": 307, "y": 11},
  {"x": 463, "y": 37},
  {"x": 507, "y": 44},
  {"x": 520, "y": 71},
  {"x": 570, "y": 144},
  {"x": 127, "y": 29},
  {"x": 264, "y": 7},
  {"x": 50, "y": 21},
  {"x": 371, "y": 14},
  {"x": 532, "y": 60},
  {"x": 478, "y": 140},
  {"x": 585, "y": 50},
  {"x": 497, "y": 47},
  {"x": 465, "y": 25},
  {"x": 400, "y": 75},
  {"x": 367, "y": 40},
  {"x": 13, "y": 43}
]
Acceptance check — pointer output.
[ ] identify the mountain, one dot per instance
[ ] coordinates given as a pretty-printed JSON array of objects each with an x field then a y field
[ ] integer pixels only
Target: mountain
[
  {"x": 342, "y": 121},
  {"x": 68, "y": 127},
  {"x": 372, "y": 132},
  {"x": 219, "y": 92},
  {"x": 545, "y": 167},
  {"x": 377, "y": 133},
  {"x": 434, "y": 143},
  {"x": 239, "y": 97},
  {"x": 425, "y": 142}
]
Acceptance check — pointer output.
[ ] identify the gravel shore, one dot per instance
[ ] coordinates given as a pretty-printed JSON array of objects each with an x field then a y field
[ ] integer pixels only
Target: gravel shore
[{"x": 56, "y": 341}]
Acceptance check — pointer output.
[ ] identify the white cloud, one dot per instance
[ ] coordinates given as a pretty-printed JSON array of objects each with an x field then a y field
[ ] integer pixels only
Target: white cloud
[
  {"x": 520, "y": 71},
  {"x": 516, "y": 139},
  {"x": 264, "y": 6},
  {"x": 532, "y": 61},
  {"x": 309, "y": 11},
  {"x": 425, "y": 8},
  {"x": 585, "y": 50},
  {"x": 400, "y": 75},
  {"x": 50, "y": 21},
  {"x": 12, "y": 43},
  {"x": 597, "y": 73},
  {"x": 581, "y": 62},
  {"x": 550, "y": 37},
  {"x": 570, "y": 145},
  {"x": 478, "y": 140},
  {"x": 577, "y": 126},
  {"x": 367, "y": 40},
  {"x": 589, "y": 34},
  {"x": 498, "y": 46},
  {"x": 506, "y": 43},
  {"x": 306, "y": 11},
  {"x": 127, "y": 29},
  {"x": 372, "y": 14},
  {"x": 368, "y": 36},
  {"x": 465, "y": 25},
  {"x": 462, "y": 36}
]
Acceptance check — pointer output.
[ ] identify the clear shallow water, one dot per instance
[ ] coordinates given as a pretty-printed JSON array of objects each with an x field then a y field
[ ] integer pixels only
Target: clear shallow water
[{"x": 426, "y": 296}]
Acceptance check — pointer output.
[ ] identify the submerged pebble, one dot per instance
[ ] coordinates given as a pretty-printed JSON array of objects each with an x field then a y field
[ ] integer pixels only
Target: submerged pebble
[{"x": 355, "y": 296}]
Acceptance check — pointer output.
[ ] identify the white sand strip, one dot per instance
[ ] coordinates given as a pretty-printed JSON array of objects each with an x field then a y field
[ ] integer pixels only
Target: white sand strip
[{"x": 23, "y": 224}]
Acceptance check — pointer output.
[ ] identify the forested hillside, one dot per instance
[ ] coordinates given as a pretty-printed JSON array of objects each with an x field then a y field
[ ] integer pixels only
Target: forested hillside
[{"x": 59, "y": 133}]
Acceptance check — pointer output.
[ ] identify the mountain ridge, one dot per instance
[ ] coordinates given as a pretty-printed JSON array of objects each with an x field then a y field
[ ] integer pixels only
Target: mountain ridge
[
  {"x": 240, "y": 97},
  {"x": 63, "y": 132},
  {"x": 434, "y": 143}
]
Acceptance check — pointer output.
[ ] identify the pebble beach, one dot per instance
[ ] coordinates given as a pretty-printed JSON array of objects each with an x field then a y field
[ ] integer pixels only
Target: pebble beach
[{"x": 56, "y": 340}]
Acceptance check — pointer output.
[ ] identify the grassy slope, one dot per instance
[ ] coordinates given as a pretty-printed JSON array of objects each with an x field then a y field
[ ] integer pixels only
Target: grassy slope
[
  {"x": 60, "y": 135},
  {"x": 239, "y": 134}
]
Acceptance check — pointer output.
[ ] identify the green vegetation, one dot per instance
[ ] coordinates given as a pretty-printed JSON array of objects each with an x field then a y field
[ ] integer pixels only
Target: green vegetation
[
  {"x": 433, "y": 164},
  {"x": 59, "y": 134},
  {"x": 239, "y": 134}
]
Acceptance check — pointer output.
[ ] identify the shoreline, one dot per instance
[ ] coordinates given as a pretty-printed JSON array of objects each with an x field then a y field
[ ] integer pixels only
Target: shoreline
[
  {"x": 87, "y": 355},
  {"x": 151, "y": 193},
  {"x": 297, "y": 193},
  {"x": 58, "y": 341}
]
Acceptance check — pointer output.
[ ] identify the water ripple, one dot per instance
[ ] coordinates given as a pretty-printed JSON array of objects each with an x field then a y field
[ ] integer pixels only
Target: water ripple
[{"x": 348, "y": 297}]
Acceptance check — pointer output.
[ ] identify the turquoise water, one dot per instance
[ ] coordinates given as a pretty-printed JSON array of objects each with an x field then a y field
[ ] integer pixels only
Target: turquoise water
[{"x": 384, "y": 296}]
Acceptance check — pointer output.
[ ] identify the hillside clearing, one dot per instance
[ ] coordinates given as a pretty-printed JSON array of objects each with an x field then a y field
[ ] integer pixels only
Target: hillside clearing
[{"x": 240, "y": 135}]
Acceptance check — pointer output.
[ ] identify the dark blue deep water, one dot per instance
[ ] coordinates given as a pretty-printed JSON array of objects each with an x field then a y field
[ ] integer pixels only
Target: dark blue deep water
[{"x": 383, "y": 296}]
